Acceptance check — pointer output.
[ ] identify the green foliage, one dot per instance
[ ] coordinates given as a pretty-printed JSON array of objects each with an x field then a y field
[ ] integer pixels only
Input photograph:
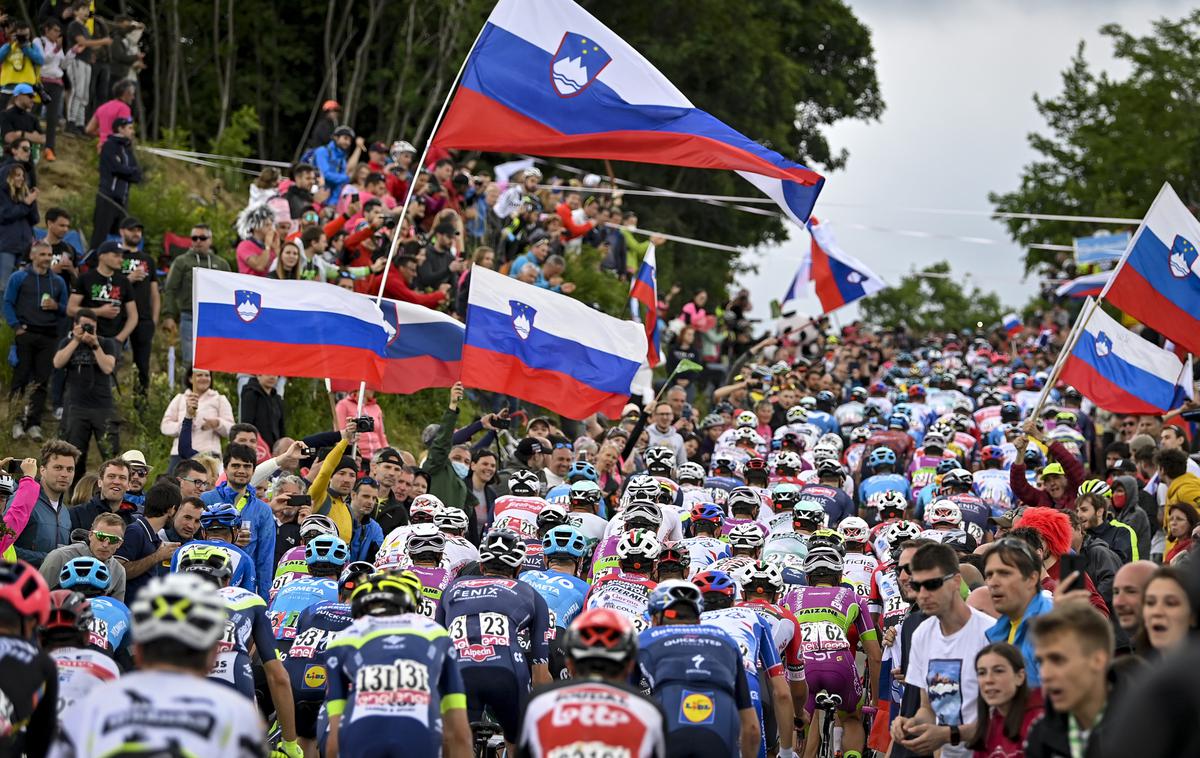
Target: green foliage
[
  {"x": 597, "y": 288},
  {"x": 1112, "y": 142},
  {"x": 928, "y": 304}
]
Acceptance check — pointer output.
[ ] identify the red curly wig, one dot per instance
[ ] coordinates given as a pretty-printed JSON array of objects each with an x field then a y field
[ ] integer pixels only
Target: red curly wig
[{"x": 1052, "y": 524}]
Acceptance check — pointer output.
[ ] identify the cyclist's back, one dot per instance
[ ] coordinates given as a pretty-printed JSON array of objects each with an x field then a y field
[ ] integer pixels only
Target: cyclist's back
[
  {"x": 29, "y": 689},
  {"x": 625, "y": 592},
  {"x": 564, "y": 593},
  {"x": 620, "y": 722},
  {"x": 828, "y": 617},
  {"x": 79, "y": 670},
  {"x": 246, "y": 624},
  {"x": 109, "y": 630},
  {"x": 292, "y": 599},
  {"x": 243, "y": 565}
]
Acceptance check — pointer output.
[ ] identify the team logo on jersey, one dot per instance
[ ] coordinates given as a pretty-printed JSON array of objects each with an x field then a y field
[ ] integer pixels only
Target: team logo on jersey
[
  {"x": 314, "y": 676},
  {"x": 697, "y": 708}
]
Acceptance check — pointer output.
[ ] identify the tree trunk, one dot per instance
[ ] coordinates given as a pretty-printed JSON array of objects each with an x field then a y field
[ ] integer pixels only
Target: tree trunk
[
  {"x": 361, "y": 64},
  {"x": 173, "y": 66}
]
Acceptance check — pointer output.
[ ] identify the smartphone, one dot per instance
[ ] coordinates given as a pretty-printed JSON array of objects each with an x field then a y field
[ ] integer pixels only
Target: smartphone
[
  {"x": 13, "y": 467},
  {"x": 1069, "y": 564},
  {"x": 299, "y": 501}
]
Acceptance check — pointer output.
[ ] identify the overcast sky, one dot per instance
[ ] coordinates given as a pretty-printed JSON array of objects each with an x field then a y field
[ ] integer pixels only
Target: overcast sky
[{"x": 957, "y": 79}]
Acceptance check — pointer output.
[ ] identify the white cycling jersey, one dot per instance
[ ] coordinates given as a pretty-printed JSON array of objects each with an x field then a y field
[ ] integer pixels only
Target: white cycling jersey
[{"x": 79, "y": 670}]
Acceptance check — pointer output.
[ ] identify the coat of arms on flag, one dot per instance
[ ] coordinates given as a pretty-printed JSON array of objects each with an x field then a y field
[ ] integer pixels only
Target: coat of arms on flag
[
  {"x": 248, "y": 304},
  {"x": 1183, "y": 258},
  {"x": 576, "y": 64},
  {"x": 522, "y": 318}
]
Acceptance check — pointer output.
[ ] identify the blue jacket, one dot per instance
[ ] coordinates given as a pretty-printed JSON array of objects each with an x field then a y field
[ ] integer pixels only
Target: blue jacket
[
  {"x": 45, "y": 531},
  {"x": 1023, "y": 639},
  {"x": 17, "y": 219},
  {"x": 262, "y": 529},
  {"x": 367, "y": 539},
  {"x": 331, "y": 162},
  {"x": 24, "y": 306}
]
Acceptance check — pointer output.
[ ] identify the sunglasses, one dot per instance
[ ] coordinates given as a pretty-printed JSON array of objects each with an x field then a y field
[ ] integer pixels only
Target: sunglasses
[
  {"x": 561, "y": 445},
  {"x": 1019, "y": 545},
  {"x": 138, "y": 470},
  {"x": 904, "y": 568},
  {"x": 111, "y": 539},
  {"x": 932, "y": 585},
  {"x": 199, "y": 238},
  {"x": 200, "y": 484}
]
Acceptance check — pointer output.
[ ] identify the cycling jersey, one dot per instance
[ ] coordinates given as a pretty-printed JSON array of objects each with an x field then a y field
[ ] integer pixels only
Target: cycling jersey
[
  {"x": 828, "y": 618},
  {"x": 780, "y": 523},
  {"x": 785, "y": 633},
  {"x": 510, "y": 509},
  {"x": 433, "y": 581},
  {"x": 670, "y": 530},
  {"x": 695, "y": 674},
  {"x": 245, "y": 625},
  {"x": 823, "y": 421},
  {"x": 239, "y": 561},
  {"x": 974, "y": 510},
  {"x": 885, "y": 602},
  {"x": 589, "y": 718},
  {"x": 79, "y": 670},
  {"x": 305, "y": 661},
  {"x": 994, "y": 488},
  {"x": 897, "y": 441},
  {"x": 604, "y": 557},
  {"x": 834, "y": 500},
  {"x": 109, "y": 629},
  {"x": 987, "y": 419},
  {"x": 731, "y": 564},
  {"x": 496, "y": 622},
  {"x": 702, "y": 551},
  {"x": 591, "y": 526},
  {"x": 857, "y": 569},
  {"x": 564, "y": 594},
  {"x": 293, "y": 599},
  {"x": 161, "y": 713},
  {"x": 29, "y": 694},
  {"x": 458, "y": 552},
  {"x": 726, "y": 483},
  {"x": 730, "y": 522},
  {"x": 627, "y": 593},
  {"x": 873, "y": 485},
  {"x": 391, "y": 678},
  {"x": 291, "y": 566},
  {"x": 759, "y": 656}
]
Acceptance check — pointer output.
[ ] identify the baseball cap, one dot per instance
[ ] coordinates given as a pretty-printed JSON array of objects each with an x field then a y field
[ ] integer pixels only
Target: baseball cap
[
  {"x": 1005, "y": 519},
  {"x": 22, "y": 89},
  {"x": 377, "y": 147},
  {"x": 109, "y": 246},
  {"x": 343, "y": 130},
  {"x": 630, "y": 409},
  {"x": 330, "y": 105},
  {"x": 1124, "y": 465},
  {"x": 131, "y": 222},
  {"x": 1054, "y": 469},
  {"x": 389, "y": 455},
  {"x": 445, "y": 228},
  {"x": 135, "y": 457},
  {"x": 528, "y": 447}
]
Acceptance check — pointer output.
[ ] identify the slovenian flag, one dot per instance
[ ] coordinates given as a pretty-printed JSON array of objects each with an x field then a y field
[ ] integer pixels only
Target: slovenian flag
[
  {"x": 1082, "y": 287},
  {"x": 1123, "y": 373},
  {"x": 424, "y": 349},
  {"x": 255, "y": 325},
  {"x": 840, "y": 278},
  {"x": 1158, "y": 280},
  {"x": 548, "y": 348},
  {"x": 547, "y": 78},
  {"x": 1012, "y": 325},
  {"x": 643, "y": 303}
]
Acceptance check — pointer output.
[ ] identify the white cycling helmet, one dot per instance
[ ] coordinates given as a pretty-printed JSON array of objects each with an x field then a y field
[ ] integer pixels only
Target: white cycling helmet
[
  {"x": 638, "y": 543},
  {"x": 181, "y": 607},
  {"x": 860, "y": 434},
  {"x": 690, "y": 472},
  {"x": 796, "y": 415},
  {"x": 854, "y": 530},
  {"x": 316, "y": 525},
  {"x": 832, "y": 440},
  {"x": 641, "y": 487},
  {"x": 789, "y": 459},
  {"x": 524, "y": 482},
  {"x": 825, "y": 451},
  {"x": 760, "y": 573},
  {"x": 747, "y": 434},
  {"x": 900, "y": 532},
  {"x": 746, "y": 536},
  {"x": 660, "y": 456},
  {"x": 944, "y": 512},
  {"x": 823, "y": 558},
  {"x": 425, "y": 505},
  {"x": 893, "y": 499},
  {"x": 452, "y": 520},
  {"x": 746, "y": 419},
  {"x": 645, "y": 511}
]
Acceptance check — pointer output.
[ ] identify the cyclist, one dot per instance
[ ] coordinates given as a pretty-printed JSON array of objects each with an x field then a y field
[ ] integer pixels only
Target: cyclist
[
  {"x": 500, "y": 628},
  {"x": 596, "y": 712},
  {"x": 859, "y": 562},
  {"x": 28, "y": 679},
  {"x": 395, "y": 685},
  {"x": 745, "y": 505},
  {"x": 326, "y": 554},
  {"x": 943, "y": 515},
  {"x": 672, "y": 563},
  {"x": 991, "y": 480},
  {"x": 306, "y": 661},
  {"x": 760, "y": 659},
  {"x": 425, "y": 548},
  {"x": 560, "y": 586},
  {"x": 553, "y": 515},
  {"x": 762, "y": 585},
  {"x": 924, "y": 464},
  {"x": 246, "y": 632},
  {"x": 64, "y": 636},
  {"x": 177, "y": 622},
  {"x": 783, "y": 496},
  {"x": 294, "y": 563},
  {"x": 518, "y": 510},
  {"x": 745, "y": 546},
  {"x": 111, "y": 619},
  {"x": 828, "y": 490},
  {"x": 930, "y": 492},
  {"x": 958, "y": 486},
  {"x": 219, "y": 523},
  {"x": 882, "y": 463},
  {"x": 422, "y": 515},
  {"x": 694, "y": 672},
  {"x": 637, "y": 515},
  {"x": 723, "y": 472},
  {"x": 704, "y": 546},
  {"x": 885, "y": 602},
  {"x": 646, "y": 489},
  {"x": 453, "y": 523},
  {"x": 585, "y": 503},
  {"x": 628, "y": 589},
  {"x": 807, "y": 517},
  {"x": 828, "y": 613}
]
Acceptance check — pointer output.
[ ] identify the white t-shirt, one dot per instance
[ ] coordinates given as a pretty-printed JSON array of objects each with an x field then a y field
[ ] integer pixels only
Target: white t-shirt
[{"x": 945, "y": 668}]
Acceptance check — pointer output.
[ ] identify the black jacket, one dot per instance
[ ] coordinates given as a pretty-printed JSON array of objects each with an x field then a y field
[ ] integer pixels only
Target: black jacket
[
  {"x": 1102, "y": 565},
  {"x": 118, "y": 168},
  {"x": 17, "y": 218},
  {"x": 263, "y": 410},
  {"x": 84, "y": 514},
  {"x": 299, "y": 200}
]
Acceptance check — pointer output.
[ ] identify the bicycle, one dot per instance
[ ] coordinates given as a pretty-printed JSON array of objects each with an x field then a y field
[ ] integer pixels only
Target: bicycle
[
  {"x": 487, "y": 739},
  {"x": 828, "y": 706}
]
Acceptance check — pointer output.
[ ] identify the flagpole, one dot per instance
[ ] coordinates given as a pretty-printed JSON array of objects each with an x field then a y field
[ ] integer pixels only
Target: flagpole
[
  {"x": 412, "y": 183},
  {"x": 1072, "y": 338}
]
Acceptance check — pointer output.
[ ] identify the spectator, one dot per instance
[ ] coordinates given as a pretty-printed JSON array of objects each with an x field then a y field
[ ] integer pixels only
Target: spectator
[
  {"x": 304, "y": 193},
  {"x": 18, "y": 216},
  {"x": 20, "y": 59},
  {"x": 1060, "y": 479},
  {"x": 483, "y": 475},
  {"x": 333, "y": 158},
  {"x": 1169, "y": 617},
  {"x": 90, "y": 360},
  {"x": 1008, "y": 702},
  {"x": 399, "y": 284},
  {"x": 108, "y": 293},
  {"x": 192, "y": 478},
  {"x": 368, "y": 535},
  {"x": 260, "y": 241},
  {"x": 1181, "y": 524},
  {"x": 331, "y": 487},
  {"x": 186, "y": 523},
  {"x": 80, "y": 59},
  {"x": 663, "y": 434},
  {"x": 1012, "y": 572},
  {"x": 483, "y": 256},
  {"x": 19, "y": 505},
  {"x": 50, "y": 46},
  {"x": 237, "y": 491},
  {"x": 288, "y": 265},
  {"x": 125, "y": 59},
  {"x": 387, "y": 468},
  {"x": 444, "y": 482},
  {"x": 58, "y": 226},
  {"x": 562, "y": 455},
  {"x": 19, "y": 122},
  {"x": 113, "y": 484},
  {"x": 107, "y": 532},
  {"x": 177, "y": 292},
  {"x": 1183, "y": 487},
  {"x": 35, "y": 303},
  {"x": 529, "y": 273},
  {"x": 142, "y": 273},
  {"x": 118, "y": 170},
  {"x": 49, "y": 524},
  {"x": 441, "y": 264},
  {"x": 144, "y": 552},
  {"x": 331, "y": 114},
  {"x": 103, "y": 121},
  {"x": 538, "y": 251},
  {"x": 209, "y": 410},
  {"x": 368, "y": 441},
  {"x": 262, "y": 406},
  {"x": 551, "y": 276}
]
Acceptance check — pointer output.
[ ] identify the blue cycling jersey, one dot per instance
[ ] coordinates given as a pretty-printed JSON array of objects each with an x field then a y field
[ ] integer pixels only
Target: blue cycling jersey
[
  {"x": 873, "y": 485},
  {"x": 496, "y": 621},
  {"x": 239, "y": 560},
  {"x": 823, "y": 421},
  {"x": 755, "y": 642},
  {"x": 836, "y": 502},
  {"x": 564, "y": 594},
  {"x": 246, "y": 624},
  {"x": 109, "y": 629},
  {"x": 306, "y": 662},
  {"x": 293, "y": 599}
]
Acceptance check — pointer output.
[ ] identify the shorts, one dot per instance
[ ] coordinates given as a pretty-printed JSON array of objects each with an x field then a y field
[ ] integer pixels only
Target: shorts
[
  {"x": 770, "y": 726},
  {"x": 497, "y": 689},
  {"x": 838, "y": 675},
  {"x": 701, "y": 722},
  {"x": 307, "y": 712}
]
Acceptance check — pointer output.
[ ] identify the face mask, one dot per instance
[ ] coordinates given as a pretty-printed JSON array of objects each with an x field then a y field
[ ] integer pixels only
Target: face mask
[{"x": 460, "y": 468}]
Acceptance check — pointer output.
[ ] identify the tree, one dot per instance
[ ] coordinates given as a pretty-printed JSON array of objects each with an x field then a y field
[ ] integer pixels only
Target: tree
[
  {"x": 1113, "y": 142},
  {"x": 930, "y": 301}
]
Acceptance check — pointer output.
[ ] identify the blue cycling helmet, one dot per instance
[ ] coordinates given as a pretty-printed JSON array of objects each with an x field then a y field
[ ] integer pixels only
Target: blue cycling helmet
[
  {"x": 564, "y": 540},
  {"x": 220, "y": 515},
  {"x": 898, "y": 421},
  {"x": 326, "y": 548},
  {"x": 582, "y": 470},
  {"x": 715, "y": 581},
  {"x": 710, "y": 512},
  {"x": 881, "y": 456},
  {"x": 1034, "y": 457},
  {"x": 84, "y": 572},
  {"x": 560, "y": 494},
  {"x": 674, "y": 592}
]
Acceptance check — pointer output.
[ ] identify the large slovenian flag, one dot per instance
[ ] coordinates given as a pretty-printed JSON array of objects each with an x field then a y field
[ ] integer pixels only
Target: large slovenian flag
[
  {"x": 840, "y": 278},
  {"x": 1158, "y": 279},
  {"x": 424, "y": 349},
  {"x": 1081, "y": 287},
  {"x": 643, "y": 303},
  {"x": 547, "y": 348},
  {"x": 1123, "y": 373},
  {"x": 547, "y": 78},
  {"x": 255, "y": 325}
]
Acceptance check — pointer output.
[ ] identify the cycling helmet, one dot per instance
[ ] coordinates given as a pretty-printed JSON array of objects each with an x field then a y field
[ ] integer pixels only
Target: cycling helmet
[
  {"x": 352, "y": 575},
  {"x": 1019, "y": 381},
  {"x": 642, "y": 514},
  {"x": 564, "y": 540},
  {"x": 809, "y": 513},
  {"x": 23, "y": 588},
  {"x": 858, "y": 394},
  {"x": 707, "y": 512},
  {"x": 898, "y": 421},
  {"x": 425, "y": 543},
  {"x": 560, "y": 493},
  {"x": 991, "y": 453},
  {"x": 690, "y": 472},
  {"x": 746, "y": 419},
  {"x": 830, "y": 467},
  {"x": 854, "y": 530},
  {"x": 827, "y": 537},
  {"x": 715, "y": 581},
  {"x": 822, "y": 559},
  {"x": 82, "y": 572},
  {"x": 674, "y": 592},
  {"x": 796, "y": 415},
  {"x": 551, "y": 515},
  {"x": 900, "y": 532},
  {"x": 722, "y": 462},
  {"x": 934, "y": 441},
  {"x": 524, "y": 483},
  {"x": 69, "y": 611},
  {"x": 808, "y": 403},
  {"x": 601, "y": 634},
  {"x": 316, "y": 525},
  {"x": 209, "y": 561},
  {"x": 329, "y": 548},
  {"x": 962, "y": 406},
  {"x": 502, "y": 546},
  {"x": 824, "y": 451},
  {"x": 452, "y": 520},
  {"x": 221, "y": 516},
  {"x": 673, "y": 554},
  {"x": 755, "y": 465},
  {"x": 825, "y": 400},
  {"x": 660, "y": 460},
  {"x": 582, "y": 470},
  {"x": 1010, "y": 413},
  {"x": 916, "y": 392},
  {"x": 427, "y": 503},
  {"x": 712, "y": 420},
  {"x": 743, "y": 499},
  {"x": 788, "y": 461},
  {"x": 947, "y": 465},
  {"x": 958, "y": 477},
  {"x": 747, "y": 434},
  {"x": 829, "y": 439},
  {"x": 1034, "y": 458},
  {"x": 1095, "y": 487},
  {"x": 784, "y": 496},
  {"x": 642, "y": 487},
  {"x": 181, "y": 607},
  {"x": 585, "y": 492},
  {"x": 888, "y": 500},
  {"x": 759, "y": 578},
  {"x": 746, "y": 536},
  {"x": 944, "y": 512},
  {"x": 639, "y": 543},
  {"x": 881, "y": 456},
  {"x": 383, "y": 595}
]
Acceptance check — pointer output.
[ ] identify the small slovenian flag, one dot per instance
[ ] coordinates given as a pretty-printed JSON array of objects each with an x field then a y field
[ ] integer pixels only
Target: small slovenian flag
[
  {"x": 1013, "y": 325},
  {"x": 643, "y": 303},
  {"x": 1080, "y": 287},
  {"x": 839, "y": 277}
]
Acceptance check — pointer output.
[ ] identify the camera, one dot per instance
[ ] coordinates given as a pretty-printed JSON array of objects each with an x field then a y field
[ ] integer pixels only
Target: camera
[
  {"x": 501, "y": 423},
  {"x": 13, "y": 467},
  {"x": 88, "y": 328},
  {"x": 364, "y": 424}
]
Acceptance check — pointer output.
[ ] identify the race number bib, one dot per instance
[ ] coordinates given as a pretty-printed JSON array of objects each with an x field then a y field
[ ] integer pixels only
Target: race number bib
[{"x": 822, "y": 636}]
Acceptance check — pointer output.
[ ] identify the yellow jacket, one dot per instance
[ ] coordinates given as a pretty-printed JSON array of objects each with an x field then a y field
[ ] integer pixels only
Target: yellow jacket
[
  {"x": 1183, "y": 489},
  {"x": 328, "y": 504}
]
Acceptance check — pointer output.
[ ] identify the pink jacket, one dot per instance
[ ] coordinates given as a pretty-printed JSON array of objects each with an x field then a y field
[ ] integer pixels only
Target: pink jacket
[
  {"x": 368, "y": 442},
  {"x": 20, "y": 507}
]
